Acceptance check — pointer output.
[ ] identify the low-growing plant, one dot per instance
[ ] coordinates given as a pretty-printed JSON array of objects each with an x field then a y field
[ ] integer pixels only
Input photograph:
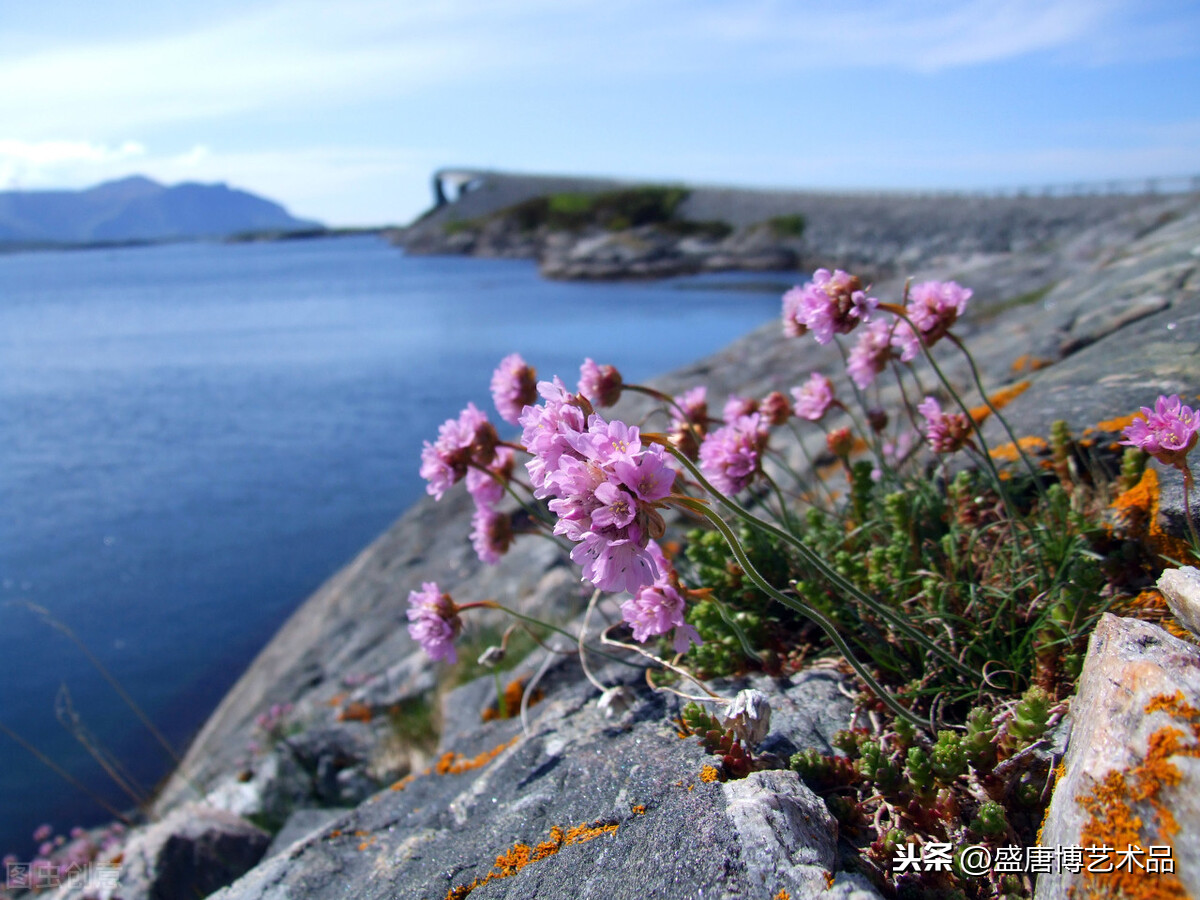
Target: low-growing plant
[{"x": 961, "y": 598}]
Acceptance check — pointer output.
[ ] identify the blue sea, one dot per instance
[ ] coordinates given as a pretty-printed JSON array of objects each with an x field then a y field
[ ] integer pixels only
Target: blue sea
[{"x": 194, "y": 436}]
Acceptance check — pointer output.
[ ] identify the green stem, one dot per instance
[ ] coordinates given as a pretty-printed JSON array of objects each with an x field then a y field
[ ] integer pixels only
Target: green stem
[
  {"x": 830, "y": 574},
  {"x": 805, "y": 610}
]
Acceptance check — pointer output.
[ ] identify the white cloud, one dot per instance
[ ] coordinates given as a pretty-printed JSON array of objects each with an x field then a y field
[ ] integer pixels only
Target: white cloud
[
  {"x": 44, "y": 163},
  {"x": 309, "y": 55}
]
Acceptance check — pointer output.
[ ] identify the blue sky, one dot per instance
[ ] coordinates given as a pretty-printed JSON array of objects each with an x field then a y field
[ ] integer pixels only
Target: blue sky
[{"x": 341, "y": 110}]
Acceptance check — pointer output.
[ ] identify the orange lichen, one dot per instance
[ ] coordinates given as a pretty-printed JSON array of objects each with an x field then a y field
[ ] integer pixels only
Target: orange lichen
[
  {"x": 1113, "y": 425},
  {"x": 783, "y": 895},
  {"x": 403, "y": 783},
  {"x": 1138, "y": 510},
  {"x": 1027, "y": 363},
  {"x": 639, "y": 810},
  {"x": 1008, "y": 452},
  {"x": 456, "y": 763},
  {"x": 1113, "y": 808},
  {"x": 709, "y": 774},
  {"x": 513, "y": 694},
  {"x": 356, "y": 712},
  {"x": 998, "y": 400},
  {"x": 518, "y": 856},
  {"x": 335, "y": 700}
]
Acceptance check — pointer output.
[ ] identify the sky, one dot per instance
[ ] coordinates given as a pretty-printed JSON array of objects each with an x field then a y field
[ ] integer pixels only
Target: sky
[{"x": 342, "y": 110}]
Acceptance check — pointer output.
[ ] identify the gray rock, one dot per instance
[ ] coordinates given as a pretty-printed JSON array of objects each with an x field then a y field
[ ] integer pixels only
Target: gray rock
[
  {"x": 788, "y": 838},
  {"x": 301, "y": 824},
  {"x": 191, "y": 853},
  {"x": 1129, "y": 664},
  {"x": 633, "y": 780},
  {"x": 1181, "y": 587}
]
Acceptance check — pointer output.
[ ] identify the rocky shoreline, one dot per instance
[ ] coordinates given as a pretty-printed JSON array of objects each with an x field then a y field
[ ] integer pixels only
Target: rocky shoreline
[{"x": 1095, "y": 304}]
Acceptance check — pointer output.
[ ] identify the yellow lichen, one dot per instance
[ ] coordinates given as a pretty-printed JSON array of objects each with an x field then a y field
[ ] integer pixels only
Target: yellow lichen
[
  {"x": 783, "y": 895},
  {"x": 999, "y": 400},
  {"x": 519, "y": 855},
  {"x": 1027, "y": 363},
  {"x": 456, "y": 763},
  {"x": 1008, "y": 452},
  {"x": 1138, "y": 510},
  {"x": 1114, "y": 821},
  {"x": 709, "y": 774}
]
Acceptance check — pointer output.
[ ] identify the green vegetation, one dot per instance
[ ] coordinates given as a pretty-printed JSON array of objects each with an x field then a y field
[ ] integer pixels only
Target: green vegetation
[{"x": 790, "y": 226}]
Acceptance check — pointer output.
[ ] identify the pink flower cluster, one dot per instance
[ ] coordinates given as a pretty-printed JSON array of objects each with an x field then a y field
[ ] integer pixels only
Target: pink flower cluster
[
  {"x": 730, "y": 456},
  {"x": 61, "y": 858},
  {"x": 1168, "y": 432},
  {"x": 829, "y": 304},
  {"x": 468, "y": 440},
  {"x": 514, "y": 386},
  {"x": 658, "y": 608},
  {"x": 434, "y": 622},
  {"x": 604, "y": 485},
  {"x": 946, "y": 432},
  {"x": 689, "y": 427},
  {"x": 600, "y": 384},
  {"x": 814, "y": 397}
]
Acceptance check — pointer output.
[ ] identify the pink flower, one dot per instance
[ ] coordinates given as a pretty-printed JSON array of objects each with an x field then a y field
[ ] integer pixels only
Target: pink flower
[
  {"x": 934, "y": 306},
  {"x": 469, "y": 439},
  {"x": 775, "y": 408},
  {"x": 730, "y": 456},
  {"x": 604, "y": 485},
  {"x": 549, "y": 430},
  {"x": 906, "y": 340},
  {"x": 1168, "y": 432},
  {"x": 871, "y": 353},
  {"x": 486, "y": 486},
  {"x": 658, "y": 608},
  {"x": 814, "y": 397},
  {"x": 827, "y": 305},
  {"x": 491, "y": 534},
  {"x": 736, "y": 407},
  {"x": 945, "y": 433},
  {"x": 435, "y": 622},
  {"x": 600, "y": 384},
  {"x": 694, "y": 404},
  {"x": 514, "y": 386}
]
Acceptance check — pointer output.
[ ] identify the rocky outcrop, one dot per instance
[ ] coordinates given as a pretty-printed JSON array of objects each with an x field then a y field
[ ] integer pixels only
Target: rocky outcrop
[{"x": 758, "y": 230}]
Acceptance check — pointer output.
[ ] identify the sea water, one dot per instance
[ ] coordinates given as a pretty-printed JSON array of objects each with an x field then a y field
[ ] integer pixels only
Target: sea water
[{"x": 194, "y": 436}]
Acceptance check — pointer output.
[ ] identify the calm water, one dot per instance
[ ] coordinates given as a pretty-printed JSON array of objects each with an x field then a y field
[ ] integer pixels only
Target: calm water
[{"x": 193, "y": 437}]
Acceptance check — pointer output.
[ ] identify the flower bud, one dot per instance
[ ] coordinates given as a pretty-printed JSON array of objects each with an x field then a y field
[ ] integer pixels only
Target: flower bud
[{"x": 840, "y": 441}]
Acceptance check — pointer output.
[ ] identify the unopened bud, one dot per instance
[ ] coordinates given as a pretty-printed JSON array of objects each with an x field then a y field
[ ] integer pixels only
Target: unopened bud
[{"x": 840, "y": 441}]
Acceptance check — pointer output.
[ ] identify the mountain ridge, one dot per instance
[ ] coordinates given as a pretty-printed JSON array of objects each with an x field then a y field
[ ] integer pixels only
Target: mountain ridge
[{"x": 137, "y": 208}]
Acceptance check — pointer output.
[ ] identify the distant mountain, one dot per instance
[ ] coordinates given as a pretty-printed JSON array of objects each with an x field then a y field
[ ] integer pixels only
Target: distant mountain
[{"x": 138, "y": 209}]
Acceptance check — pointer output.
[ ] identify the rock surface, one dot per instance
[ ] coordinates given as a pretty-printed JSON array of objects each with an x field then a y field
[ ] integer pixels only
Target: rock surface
[
  {"x": 1117, "y": 759},
  {"x": 1181, "y": 587},
  {"x": 631, "y": 782}
]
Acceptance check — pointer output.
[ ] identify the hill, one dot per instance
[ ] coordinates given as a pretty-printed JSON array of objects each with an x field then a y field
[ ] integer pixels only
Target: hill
[{"x": 138, "y": 209}]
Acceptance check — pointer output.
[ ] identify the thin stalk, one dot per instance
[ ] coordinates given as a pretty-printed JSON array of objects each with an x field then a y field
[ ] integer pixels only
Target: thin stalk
[
  {"x": 830, "y": 574},
  {"x": 116, "y": 685},
  {"x": 1037, "y": 483},
  {"x": 63, "y": 774},
  {"x": 807, "y": 611},
  {"x": 516, "y": 615}
]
